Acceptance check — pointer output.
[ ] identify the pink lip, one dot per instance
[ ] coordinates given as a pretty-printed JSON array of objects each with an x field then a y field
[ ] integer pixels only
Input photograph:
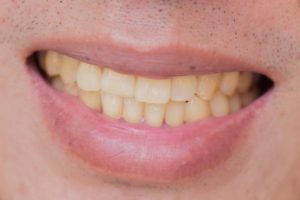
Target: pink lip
[
  {"x": 139, "y": 152},
  {"x": 158, "y": 62}
]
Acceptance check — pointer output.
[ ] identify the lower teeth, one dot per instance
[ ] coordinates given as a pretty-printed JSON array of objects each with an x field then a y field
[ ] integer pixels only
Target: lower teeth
[{"x": 172, "y": 101}]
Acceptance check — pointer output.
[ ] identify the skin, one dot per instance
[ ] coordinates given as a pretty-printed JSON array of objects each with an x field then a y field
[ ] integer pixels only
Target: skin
[{"x": 263, "y": 33}]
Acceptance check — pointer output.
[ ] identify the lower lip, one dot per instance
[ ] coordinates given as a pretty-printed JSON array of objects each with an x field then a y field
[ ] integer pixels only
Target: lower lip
[{"x": 139, "y": 152}]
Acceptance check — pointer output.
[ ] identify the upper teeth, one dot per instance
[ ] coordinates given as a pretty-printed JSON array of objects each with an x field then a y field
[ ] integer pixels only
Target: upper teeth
[
  {"x": 88, "y": 77},
  {"x": 173, "y": 100},
  {"x": 118, "y": 84}
]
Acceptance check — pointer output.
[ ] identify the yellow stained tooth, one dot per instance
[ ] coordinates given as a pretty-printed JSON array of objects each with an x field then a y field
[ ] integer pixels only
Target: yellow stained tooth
[
  {"x": 183, "y": 88},
  {"x": 196, "y": 109},
  {"x": 235, "y": 103},
  {"x": 112, "y": 105},
  {"x": 249, "y": 96},
  {"x": 71, "y": 89},
  {"x": 174, "y": 101},
  {"x": 207, "y": 85},
  {"x": 153, "y": 91},
  {"x": 219, "y": 105},
  {"x": 229, "y": 83},
  {"x": 174, "y": 113},
  {"x": 119, "y": 84},
  {"x": 68, "y": 71},
  {"x": 154, "y": 114},
  {"x": 91, "y": 99},
  {"x": 133, "y": 110},
  {"x": 57, "y": 83},
  {"x": 88, "y": 77},
  {"x": 52, "y": 63},
  {"x": 245, "y": 82}
]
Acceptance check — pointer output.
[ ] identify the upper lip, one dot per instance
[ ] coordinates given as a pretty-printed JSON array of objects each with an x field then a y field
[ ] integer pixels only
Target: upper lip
[{"x": 162, "y": 61}]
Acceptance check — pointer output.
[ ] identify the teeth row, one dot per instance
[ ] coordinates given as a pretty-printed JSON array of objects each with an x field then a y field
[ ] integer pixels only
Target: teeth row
[{"x": 175, "y": 100}]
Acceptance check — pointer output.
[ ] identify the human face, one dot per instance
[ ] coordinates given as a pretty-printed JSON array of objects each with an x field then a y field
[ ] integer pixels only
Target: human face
[{"x": 54, "y": 147}]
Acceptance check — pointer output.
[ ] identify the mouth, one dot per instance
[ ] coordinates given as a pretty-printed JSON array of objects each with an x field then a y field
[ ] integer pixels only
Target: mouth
[{"x": 147, "y": 125}]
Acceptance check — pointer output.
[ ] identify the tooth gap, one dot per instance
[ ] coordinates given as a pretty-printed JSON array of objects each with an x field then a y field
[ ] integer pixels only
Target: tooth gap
[{"x": 210, "y": 97}]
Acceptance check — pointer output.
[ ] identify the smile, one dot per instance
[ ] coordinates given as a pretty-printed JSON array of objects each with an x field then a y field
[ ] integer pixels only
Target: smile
[
  {"x": 137, "y": 99},
  {"x": 147, "y": 126}
]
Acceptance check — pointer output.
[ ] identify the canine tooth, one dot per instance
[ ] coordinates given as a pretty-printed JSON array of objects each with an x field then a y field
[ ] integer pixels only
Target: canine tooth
[
  {"x": 91, "y": 99},
  {"x": 183, "y": 88},
  {"x": 112, "y": 105},
  {"x": 88, "y": 77},
  {"x": 219, "y": 105},
  {"x": 52, "y": 63},
  {"x": 174, "y": 113},
  {"x": 235, "y": 103},
  {"x": 154, "y": 114},
  {"x": 245, "y": 82},
  {"x": 229, "y": 83},
  {"x": 153, "y": 91},
  {"x": 68, "y": 71},
  {"x": 118, "y": 84},
  {"x": 196, "y": 109},
  {"x": 133, "y": 110},
  {"x": 207, "y": 85},
  {"x": 249, "y": 97},
  {"x": 57, "y": 83},
  {"x": 71, "y": 89}
]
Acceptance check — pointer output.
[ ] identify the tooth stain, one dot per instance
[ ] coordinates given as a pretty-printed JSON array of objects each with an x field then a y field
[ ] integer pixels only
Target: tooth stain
[{"x": 172, "y": 101}]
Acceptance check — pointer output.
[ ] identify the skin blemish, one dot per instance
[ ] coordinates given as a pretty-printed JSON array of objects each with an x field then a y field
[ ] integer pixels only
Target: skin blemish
[
  {"x": 192, "y": 68},
  {"x": 23, "y": 190}
]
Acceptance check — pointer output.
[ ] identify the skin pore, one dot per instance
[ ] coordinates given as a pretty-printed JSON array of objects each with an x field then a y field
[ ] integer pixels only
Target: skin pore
[{"x": 264, "y": 34}]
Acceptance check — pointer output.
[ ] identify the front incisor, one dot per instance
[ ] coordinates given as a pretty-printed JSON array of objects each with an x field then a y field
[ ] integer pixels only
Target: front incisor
[
  {"x": 183, "y": 88},
  {"x": 88, "y": 77},
  {"x": 153, "y": 91},
  {"x": 154, "y": 114},
  {"x": 112, "y": 105},
  {"x": 174, "y": 113},
  {"x": 119, "y": 84},
  {"x": 133, "y": 110}
]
